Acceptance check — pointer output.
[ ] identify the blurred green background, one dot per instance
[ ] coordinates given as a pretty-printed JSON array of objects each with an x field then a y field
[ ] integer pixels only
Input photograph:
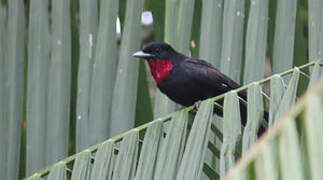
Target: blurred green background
[{"x": 144, "y": 89}]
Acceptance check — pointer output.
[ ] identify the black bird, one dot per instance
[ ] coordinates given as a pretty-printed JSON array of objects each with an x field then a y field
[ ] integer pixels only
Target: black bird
[{"x": 187, "y": 80}]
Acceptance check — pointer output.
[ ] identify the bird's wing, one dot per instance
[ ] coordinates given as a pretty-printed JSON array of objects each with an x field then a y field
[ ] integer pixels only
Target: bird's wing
[{"x": 205, "y": 73}]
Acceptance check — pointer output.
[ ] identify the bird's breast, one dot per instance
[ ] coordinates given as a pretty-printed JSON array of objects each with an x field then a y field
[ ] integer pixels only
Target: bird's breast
[
  {"x": 160, "y": 69},
  {"x": 181, "y": 88}
]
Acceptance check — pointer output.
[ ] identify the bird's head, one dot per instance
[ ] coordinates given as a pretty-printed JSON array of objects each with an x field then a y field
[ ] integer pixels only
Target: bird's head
[
  {"x": 161, "y": 58},
  {"x": 155, "y": 51}
]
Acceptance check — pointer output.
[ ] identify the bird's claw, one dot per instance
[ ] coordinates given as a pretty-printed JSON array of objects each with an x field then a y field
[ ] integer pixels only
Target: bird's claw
[{"x": 197, "y": 104}]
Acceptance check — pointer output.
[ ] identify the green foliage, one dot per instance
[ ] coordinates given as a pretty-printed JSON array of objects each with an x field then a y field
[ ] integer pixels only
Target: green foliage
[
  {"x": 14, "y": 64},
  {"x": 144, "y": 110},
  {"x": 34, "y": 177},
  {"x": 4, "y": 123},
  {"x": 211, "y": 31},
  {"x": 82, "y": 166},
  {"x": 289, "y": 96},
  {"x": 197, "y": 142},
  {"x": 125, "y": 89},
  {"x": 158, "y": 9},
  {"x": 87, "y": 90},
  {"x": 184, "y": 26},
  {"x": 256, "y": 43},
  {"x": 277, "y": 90},
  {"x": 295, "y": 135},
  {"x": 88, "y": 37},
  {"x": 315, "y": 28},
  {"x": 284, "y": 35},
  {"x": 232, "y": 43},
  {"x": 316, "y": 74},
  {"x": 38, "y": 66},
  {"x": 125, "y": 165},
  {"x": 59, "y": 83},
  {"x": 231, "y": 131},
  {"x": 172, "y": 145},
  {"x": 150, "y": 146},
  {"x": 255, "y": 116},
  {"x": 103, "y": 76},
  {"x": 58, "y": 172},
  {"x": 103, "y": 164}
]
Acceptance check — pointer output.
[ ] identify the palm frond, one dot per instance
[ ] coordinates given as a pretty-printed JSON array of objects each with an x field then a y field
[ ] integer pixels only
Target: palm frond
[
  {"x": 169, "y": 152},
  {"x": 291, "y": 146}
]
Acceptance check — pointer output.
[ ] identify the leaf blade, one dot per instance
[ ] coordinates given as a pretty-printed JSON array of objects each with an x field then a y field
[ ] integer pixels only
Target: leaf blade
[
  {"x": 103, "y": 76},
  {"x": 197, "y": 142},
  {"x": 149, "y": 151},
  {"x": 232, "y": 44},
  {"x": 88, "y": 37},
  {"x": 256, "y": 41},
  {"x": 15, "y": 80},
  {"x": 103, "y": 164},
  {"x": 59, "y": 83},
  {"x": 81, "y": 166},
  {"x": 255, "y": 113},
  {"x": 125, "y": 90},
  {"x": 171, "y": 149},
  {"x": 38, "y": 65},
  {"x": 125, "y": 165},
  {"x": 231, "y": 131}
]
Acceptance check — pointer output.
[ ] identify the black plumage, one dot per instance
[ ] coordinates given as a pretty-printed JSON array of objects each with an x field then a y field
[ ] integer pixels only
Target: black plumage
[{"x": 190, "y": 80}]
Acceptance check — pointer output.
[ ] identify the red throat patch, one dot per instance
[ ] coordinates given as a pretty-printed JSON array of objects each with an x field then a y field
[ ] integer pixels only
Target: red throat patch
[{"x": 160, "y": 69}]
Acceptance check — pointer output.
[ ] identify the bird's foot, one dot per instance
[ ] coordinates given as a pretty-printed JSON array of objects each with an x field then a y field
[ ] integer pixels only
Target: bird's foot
[{"x": 197, "y": 104}]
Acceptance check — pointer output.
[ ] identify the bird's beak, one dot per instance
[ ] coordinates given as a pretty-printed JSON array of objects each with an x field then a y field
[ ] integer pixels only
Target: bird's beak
[{"x": 141, "y": 54}]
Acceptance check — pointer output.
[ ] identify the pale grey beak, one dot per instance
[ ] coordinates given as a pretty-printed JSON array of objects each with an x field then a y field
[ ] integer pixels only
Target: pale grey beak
[{"x": 141, "y": 54}]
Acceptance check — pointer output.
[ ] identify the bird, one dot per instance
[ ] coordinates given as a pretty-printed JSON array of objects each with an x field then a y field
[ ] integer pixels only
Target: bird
[{"x": 187, "y": 80}]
